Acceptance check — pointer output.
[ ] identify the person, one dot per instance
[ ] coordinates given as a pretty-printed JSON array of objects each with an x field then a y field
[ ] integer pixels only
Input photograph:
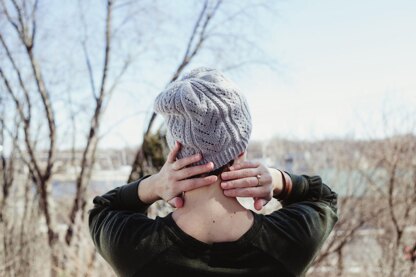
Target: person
[{"x": 210, "y": 233}]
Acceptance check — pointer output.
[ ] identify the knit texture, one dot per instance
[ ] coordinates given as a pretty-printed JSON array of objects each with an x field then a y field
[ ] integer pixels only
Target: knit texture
[{"x": 207, "y": 114}]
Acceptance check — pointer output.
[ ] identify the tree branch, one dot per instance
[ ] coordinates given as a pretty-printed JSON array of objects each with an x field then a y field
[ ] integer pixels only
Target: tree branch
[
  {"x": 19, "y": 76},
  {"x": 90, "y": 148},
  {"x": 26, "y": 127},
  {"x": 190, "y": 53}
]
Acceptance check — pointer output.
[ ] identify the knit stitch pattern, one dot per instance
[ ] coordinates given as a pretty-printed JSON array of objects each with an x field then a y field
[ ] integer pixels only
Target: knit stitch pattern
[{"x": 207, "y": 114}]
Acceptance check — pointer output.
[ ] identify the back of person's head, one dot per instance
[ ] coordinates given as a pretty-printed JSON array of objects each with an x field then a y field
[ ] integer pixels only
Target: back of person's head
[{"x": 207, "y": 114}]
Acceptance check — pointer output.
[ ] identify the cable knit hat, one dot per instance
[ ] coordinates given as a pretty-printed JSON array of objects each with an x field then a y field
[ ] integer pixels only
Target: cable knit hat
[{"x": 206, "y": 113}]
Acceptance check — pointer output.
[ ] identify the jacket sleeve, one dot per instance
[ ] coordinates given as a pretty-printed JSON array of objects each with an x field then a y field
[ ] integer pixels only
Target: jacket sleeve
[
  {"x": 119, "y": 226},
  {"x": 300, "y": 228}
]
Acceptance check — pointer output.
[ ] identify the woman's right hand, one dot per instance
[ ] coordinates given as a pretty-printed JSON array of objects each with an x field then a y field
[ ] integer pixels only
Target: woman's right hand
[{"x": 169, "y": 183}]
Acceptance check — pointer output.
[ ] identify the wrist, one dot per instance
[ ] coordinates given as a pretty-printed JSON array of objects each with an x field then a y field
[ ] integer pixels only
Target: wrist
[
  {"x": 147, "y": 190},
  {"x": 286, "y": 186},
  {"x": 277, "y": 181}
]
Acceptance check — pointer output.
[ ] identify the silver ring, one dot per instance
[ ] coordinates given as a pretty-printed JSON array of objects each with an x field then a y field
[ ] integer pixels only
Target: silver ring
[{"x": 258, "y": 180}]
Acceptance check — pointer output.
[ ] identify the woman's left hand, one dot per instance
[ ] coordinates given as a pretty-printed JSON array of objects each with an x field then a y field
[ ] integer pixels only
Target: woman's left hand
[{"x": 251, "y": 179}]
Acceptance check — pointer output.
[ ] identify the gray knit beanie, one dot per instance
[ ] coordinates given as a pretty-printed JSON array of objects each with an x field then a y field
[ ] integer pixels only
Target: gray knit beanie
[{"x": 207, "y": 114}]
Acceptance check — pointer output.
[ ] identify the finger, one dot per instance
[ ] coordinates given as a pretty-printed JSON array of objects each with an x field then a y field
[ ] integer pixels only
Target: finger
[
  {"x": 191, "y": 184},
  {"x": 238, "y": 174},
  {"x": 241, "y": 183},
  {"x": 194, "y": 170},
  {"x": 174, "y": 152},
  {"x": 245, "y": 164},
  {"x": 179, "y": 164},
  {"x": 176, "y": 202},
  {"x": 246, "y": 192},
  {"x": 259, "y": 203}
]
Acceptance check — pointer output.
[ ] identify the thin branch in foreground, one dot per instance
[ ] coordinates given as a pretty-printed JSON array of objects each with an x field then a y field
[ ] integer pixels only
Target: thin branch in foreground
[{"x": 90, "y": 148}]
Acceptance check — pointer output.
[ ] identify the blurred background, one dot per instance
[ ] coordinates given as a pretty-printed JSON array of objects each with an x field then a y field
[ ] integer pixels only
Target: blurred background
[{"x": 331, "y": 87}]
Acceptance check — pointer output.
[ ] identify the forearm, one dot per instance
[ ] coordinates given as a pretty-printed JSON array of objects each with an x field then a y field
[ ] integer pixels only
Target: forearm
[
  {"x": 306, "y": 188},
  {"x": 123, "y": 198}
]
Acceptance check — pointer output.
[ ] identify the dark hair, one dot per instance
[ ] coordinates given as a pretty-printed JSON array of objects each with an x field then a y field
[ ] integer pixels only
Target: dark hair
[
  {"x": 217, "y": 171},
  {"x": 220, "y": 170}
]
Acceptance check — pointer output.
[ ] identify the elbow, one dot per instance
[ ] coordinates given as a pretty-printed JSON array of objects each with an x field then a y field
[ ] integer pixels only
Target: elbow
[
  {"x": 92, "y": 225},
  {"x": 329, "y": 197}
]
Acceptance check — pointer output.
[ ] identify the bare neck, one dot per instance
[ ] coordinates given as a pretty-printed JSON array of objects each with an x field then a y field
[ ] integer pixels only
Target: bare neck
[{"x": 210, "y": 216}]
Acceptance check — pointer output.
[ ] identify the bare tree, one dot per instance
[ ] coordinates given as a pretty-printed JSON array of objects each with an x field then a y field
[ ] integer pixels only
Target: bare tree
[
  {"x": 24, "y": 25},
  {"x": 92, "y": 140},
  {"x": 193, "y": 46}
]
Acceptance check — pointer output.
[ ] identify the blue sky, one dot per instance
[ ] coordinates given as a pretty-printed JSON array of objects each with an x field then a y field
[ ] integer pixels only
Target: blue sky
[
  {"x": 342, "y": 64},
  {"x": 340, "y": 69}
]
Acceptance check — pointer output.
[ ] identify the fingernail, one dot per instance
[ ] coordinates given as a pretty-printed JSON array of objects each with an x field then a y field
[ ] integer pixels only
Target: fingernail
[
  {"x": 224, "y": 185},
  {"x": 231, "y": 168}
]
